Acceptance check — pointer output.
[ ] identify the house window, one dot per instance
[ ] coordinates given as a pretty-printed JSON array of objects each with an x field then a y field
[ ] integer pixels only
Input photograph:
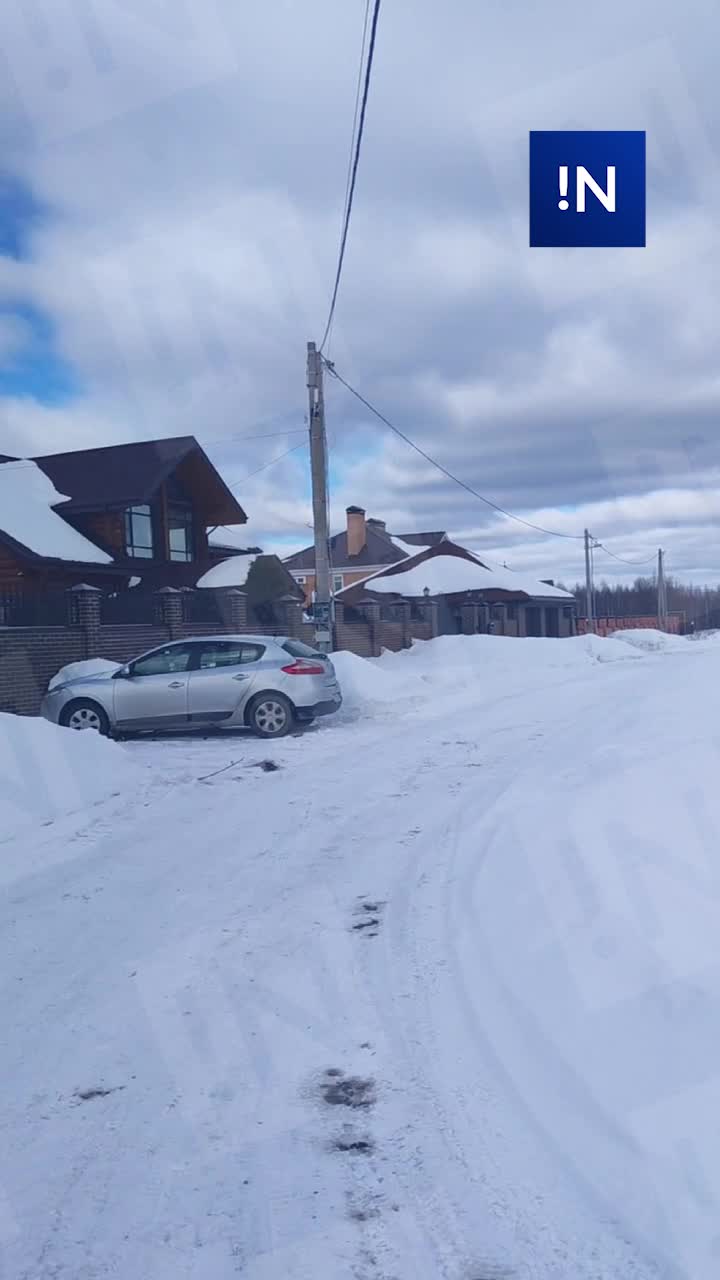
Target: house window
[
  {"x": 301, "y": 579},
  {"x": 511, "y": 612},
  {"x": 139, "y": 533},
  {"x": 180, "y": 531},
  {"x": 337, "y": 582}
]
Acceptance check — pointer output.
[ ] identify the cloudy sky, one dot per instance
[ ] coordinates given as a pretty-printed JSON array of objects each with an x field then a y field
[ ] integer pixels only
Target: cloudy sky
[{"x": 172, "y": 186}]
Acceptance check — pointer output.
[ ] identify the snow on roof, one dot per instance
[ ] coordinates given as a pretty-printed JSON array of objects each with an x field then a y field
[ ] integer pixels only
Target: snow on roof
[
  {"x": 238, "y": 535},
  {"x": 410, "y": 549},
  {"x": 447, "y": 574},
  {"x": 27, "y": 498},
  {"x": 510, "y": 580},
  {"x": 232, "y": 572}
]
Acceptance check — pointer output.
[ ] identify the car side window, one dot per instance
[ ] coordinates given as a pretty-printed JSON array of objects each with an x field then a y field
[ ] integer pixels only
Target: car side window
[
  {"x": 163, "y": 662},
  {"x": 229, "y": 654}
]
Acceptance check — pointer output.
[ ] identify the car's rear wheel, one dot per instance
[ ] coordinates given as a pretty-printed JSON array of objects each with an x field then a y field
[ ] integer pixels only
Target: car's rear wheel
[
  {"x": 270, "y": 715},
  {"x": 83, "y": 713}
]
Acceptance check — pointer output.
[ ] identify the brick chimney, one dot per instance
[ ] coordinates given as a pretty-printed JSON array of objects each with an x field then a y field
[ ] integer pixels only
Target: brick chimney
[
  {"x": 377, "y": 524},
  {"x": 356, "y": 531}
]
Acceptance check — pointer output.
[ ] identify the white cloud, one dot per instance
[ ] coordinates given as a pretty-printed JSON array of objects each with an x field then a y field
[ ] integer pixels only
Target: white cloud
[{"x": 191, "y": 165}]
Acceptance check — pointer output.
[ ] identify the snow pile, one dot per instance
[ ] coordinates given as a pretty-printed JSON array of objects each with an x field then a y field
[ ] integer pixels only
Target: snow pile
[
  {"x": 449, "y": 659},
  {"x": 366, "y": 682},
  {"x": 46, "y": 771},
  {"x": 650, "y": 640},
  {"x": 477, "y": 665},
  {"x": 27, "y": 498},
  {"x": 79, "y": 670},
  {"x": 604, "y": 649}
]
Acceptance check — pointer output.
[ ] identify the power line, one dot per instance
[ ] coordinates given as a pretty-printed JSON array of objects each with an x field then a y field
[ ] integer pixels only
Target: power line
[
  {"x": 271, "y": 463},
  {"x": 268, "y": 435},
  {"x": 19, "y": 464},
  {"x": 354, "y": 169},
  {"x": 456, "y": 479},
  {"x": 632, "y": 563},
  {"x": 356, "y": 109},
  {"x": 353, "y": 136}
]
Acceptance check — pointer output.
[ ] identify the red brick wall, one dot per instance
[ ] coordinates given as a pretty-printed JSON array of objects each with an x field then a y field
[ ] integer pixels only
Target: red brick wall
[
  {"x": 121, "y": 643},
  {"x": 605, "y": 626},
  {"x": 29, "y": 656}
]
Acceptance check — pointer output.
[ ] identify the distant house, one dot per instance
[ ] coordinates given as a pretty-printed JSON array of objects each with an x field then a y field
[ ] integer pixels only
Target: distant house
[
  {"x": 370, "y": 565},
  {"x": 470, "y": 594},
  {"x": 363, "y": 548},
  {"x": 112, "y": 515}
]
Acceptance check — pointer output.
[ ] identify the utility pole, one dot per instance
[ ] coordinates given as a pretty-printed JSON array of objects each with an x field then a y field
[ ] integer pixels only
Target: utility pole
[
  {"x": 661, "y": 593},
  {"x": 319, "y": 471},
  {"x": 589, "y": 607}
]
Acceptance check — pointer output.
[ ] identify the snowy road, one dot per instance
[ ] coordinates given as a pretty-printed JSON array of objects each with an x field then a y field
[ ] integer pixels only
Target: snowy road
[{"x": 389, "y": 1011}]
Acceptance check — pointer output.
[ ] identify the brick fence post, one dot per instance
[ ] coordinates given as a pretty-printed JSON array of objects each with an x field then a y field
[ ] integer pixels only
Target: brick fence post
[
  {"x": 171, "y": 610},
  {"x": 291, "y": 611},
  {"x": 84, "y": 605},
  {"x": 431, "y": 612},
  {"x": 234, "y": 608},
  {"x": 406, "y": 618},
  {"x": 372, "y": 613}
]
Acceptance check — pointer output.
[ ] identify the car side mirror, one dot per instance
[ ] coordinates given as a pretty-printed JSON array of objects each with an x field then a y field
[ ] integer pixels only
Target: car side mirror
[{"x": 122, "y": 673}]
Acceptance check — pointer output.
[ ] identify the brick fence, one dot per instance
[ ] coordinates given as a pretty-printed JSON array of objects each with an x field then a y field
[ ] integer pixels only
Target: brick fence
[{"x": 30, "y": 656}]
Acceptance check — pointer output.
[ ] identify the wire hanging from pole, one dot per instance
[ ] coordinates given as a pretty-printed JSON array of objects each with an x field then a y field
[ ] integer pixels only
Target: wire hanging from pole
[
  {"x": 456, "y": 480},
  {"x": 353, "y": 176},
  {"x": 353, "y": 136}
]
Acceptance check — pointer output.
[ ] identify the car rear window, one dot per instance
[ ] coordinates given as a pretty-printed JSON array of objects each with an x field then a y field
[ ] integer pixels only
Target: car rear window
[{"x": 297, "y": 649}]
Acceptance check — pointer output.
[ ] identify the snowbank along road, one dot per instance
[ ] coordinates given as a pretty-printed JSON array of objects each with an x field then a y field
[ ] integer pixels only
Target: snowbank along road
[{"x": 428, "y": 993}]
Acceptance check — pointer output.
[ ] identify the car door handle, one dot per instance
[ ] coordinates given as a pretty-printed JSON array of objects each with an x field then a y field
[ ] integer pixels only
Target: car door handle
[
  {"x": 176, "y": 684},
  {"x": 241, "y": 676}
]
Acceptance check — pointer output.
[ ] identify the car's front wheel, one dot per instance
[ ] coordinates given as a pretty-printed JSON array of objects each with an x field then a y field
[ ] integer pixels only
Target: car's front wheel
[
  {"x": 83, "y": 713},
  {"x": 270, "y": 715}
]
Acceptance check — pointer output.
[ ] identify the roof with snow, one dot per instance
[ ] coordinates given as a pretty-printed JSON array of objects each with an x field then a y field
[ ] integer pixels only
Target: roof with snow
[
  {"x": 30, "y": 525},
  {"x": 232, "y": 572},
  {"x": 125, "y": 474},
  {"x": 234, "y": 538},
  {"x": 446, "y": 569}
]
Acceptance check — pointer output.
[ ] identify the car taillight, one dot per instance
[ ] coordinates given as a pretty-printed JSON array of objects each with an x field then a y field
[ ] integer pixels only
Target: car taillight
[{"x": 301, "y": 667}]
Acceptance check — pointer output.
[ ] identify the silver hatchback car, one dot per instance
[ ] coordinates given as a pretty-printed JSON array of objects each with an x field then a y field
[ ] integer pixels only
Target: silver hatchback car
[{"x": 265, "y": 683}]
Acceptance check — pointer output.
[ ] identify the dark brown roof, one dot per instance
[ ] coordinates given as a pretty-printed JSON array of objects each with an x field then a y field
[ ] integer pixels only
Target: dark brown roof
[
  {"x": 122, "y": 474},
  {"x": 379, "y": 549}
]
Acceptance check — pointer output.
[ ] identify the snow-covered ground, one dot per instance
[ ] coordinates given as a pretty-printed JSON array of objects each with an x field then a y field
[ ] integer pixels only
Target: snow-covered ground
[
  {"x": 46, "y": 773},
  {"x": 435, "y": 998}
]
